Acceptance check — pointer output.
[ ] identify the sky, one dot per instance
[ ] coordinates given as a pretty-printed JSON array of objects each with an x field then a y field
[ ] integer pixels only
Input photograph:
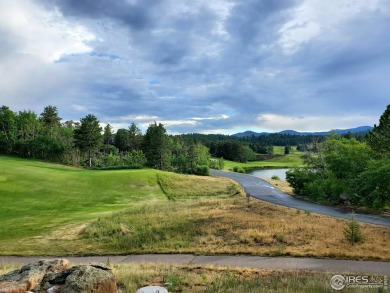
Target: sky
[{"x": 221, "y": 66}]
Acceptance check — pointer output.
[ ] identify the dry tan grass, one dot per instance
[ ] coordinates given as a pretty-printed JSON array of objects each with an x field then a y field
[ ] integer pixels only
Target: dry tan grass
[
  {"x": 217, "y": 226},
  {"x": 210, "y": 279},
  {"x": 264, "y": 228},
  {"x": 228, "y": 226},
  {"x": 218, "y": 279},
  {"x": 282, "y": 185}
]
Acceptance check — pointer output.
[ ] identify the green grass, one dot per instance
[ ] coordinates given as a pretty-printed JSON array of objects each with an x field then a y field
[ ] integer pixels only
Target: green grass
[
  {"x": 48, "y": 209},
  {"x": 37, "y": 197},
  {"x": 293, "y": 159}
]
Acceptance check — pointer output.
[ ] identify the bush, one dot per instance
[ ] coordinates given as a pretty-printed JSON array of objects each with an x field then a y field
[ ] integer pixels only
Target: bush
[
  {"x": 238, "y": 169},
  {"x": 298, "y": 178},
  {"x": 374, "y": 185},
  {"x": 202, "y": 170},
  {"x": 275, "y": 177},
  {"x": 221, "y": 164},
  {"x": 352, "y": 231}
]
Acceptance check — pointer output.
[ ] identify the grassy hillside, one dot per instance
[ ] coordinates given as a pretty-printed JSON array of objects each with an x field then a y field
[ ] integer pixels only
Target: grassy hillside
[
  {"x": 55, "y": 210},
  {"x": 36, "y": 197}
]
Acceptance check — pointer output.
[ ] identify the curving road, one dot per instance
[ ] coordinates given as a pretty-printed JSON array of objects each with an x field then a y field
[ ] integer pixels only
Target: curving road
[
  {"x": 235, "y": 261},
  {"x": 263, "y": 190}
]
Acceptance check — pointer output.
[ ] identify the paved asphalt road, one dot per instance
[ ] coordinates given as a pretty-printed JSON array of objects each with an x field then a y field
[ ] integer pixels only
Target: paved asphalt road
[
  {"x": 263, "y": 190},
  {"x": 258, "y": 262}
]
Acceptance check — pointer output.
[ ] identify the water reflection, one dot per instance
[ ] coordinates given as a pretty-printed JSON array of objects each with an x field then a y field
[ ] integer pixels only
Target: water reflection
[{"x": 268, "y": 173}]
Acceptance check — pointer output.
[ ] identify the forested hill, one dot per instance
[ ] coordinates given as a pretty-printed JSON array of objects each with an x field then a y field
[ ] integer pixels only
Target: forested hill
[{"x": 356, "y": 130}]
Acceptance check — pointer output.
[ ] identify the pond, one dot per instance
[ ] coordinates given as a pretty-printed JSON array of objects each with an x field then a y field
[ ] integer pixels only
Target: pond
[{"x": 268, "y": 173}]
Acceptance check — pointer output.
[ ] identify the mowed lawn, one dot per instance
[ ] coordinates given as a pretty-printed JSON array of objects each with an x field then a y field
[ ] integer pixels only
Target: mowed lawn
[
  {"x": 36, "y": 197},
  {"x": 293, "y": 159}
]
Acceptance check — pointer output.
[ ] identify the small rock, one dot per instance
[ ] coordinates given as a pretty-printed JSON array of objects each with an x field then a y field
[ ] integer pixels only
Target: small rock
[
  {"x": 152, "y": 289},
  {"x": 55, "y": 289}
]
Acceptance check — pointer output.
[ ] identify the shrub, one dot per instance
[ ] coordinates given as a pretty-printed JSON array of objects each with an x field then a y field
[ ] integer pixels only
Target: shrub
[
  {"x": 374, "y": 184},
  {"x": 352, "y": 231},
  {"x": 221, "y": 164},
  {"x": 275, "y": 177},
  {"x": 217, "y": 164},
  {"x": 238, "y": 169},
  {"x": 202, "y": 170}
]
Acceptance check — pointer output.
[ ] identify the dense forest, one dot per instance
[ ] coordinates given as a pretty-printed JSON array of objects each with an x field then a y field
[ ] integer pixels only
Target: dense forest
[
  {"x": 345, "y": 170},
  {"x": 85, "y": 143},
  {"x": 263, "y": 144}
]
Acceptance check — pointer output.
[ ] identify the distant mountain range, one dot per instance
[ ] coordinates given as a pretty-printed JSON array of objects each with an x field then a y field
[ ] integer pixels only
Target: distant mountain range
[{"x": 293, "y": 132}]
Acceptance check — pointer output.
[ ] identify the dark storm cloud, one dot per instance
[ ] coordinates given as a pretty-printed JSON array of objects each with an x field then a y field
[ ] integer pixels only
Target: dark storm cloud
[
  {"x": 137, "y": 15},
  {"x": 255, "y": 21},
  {"x": 341, "y": 75},
  {"x": 189, "y": 63}
]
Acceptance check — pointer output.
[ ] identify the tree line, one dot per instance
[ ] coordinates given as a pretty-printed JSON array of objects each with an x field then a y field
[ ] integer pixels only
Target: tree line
[
  {"x": 85, "y": 143},
  {"x": 348, "y": 171},
  {"x": 262, "y": 144}
]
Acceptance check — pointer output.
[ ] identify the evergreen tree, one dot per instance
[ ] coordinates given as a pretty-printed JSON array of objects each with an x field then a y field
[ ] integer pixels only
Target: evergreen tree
[
  {"x": 108, "y": 135},
  {"x": 352, "y": 231},
  {"x": 88, "y": 136},
  {"x": 121, "y": 140},
  {"x": 287, "y": 149},
  {"x": 7, "y": 129},
  {"x": 379, "y": 137},
  {"x": 135, "y": 137},
  {"x": 50, "y": 120},
  {"x": 156, "y": 147}
]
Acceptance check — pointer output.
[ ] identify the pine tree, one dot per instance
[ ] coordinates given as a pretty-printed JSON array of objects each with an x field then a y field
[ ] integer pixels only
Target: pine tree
[
  {"x": 287, "y": 149},
  {"x": 108, "y": 135},
  {"x": 379, "y": 137},
  {"x": 352, "y": 231},
  {"x": 88, "y": 136},
  {"x": 156, "y": 147},
  {"x": 122, "y": 140},
  {"x": 135, "y": 137},
  {"x": 7, "y": 129},
  {"x": 50, "y": 120}
]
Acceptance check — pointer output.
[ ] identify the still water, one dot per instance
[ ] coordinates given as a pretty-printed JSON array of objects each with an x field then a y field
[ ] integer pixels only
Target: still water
[{"x": 268, "y": 173}]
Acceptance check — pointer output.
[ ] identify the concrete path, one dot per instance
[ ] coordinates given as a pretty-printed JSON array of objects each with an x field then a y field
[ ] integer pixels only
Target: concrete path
[
  {"x": 258, "y": 262},
  {"x": 263, "y": 190}
]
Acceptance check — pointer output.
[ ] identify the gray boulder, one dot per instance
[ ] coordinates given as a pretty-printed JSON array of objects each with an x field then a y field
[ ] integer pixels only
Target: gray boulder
[
  {"x": 30, "y": 276},
  {"x": 55, "y": 276}
]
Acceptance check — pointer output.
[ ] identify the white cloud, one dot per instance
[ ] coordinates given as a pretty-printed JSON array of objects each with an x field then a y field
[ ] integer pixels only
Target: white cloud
[
  {"x": 219, "y": 117},
  {"x": 216, "y": 131},
  {"x": 318, "y": 18},
  {"x": 79, "y": 107},
  {"x": 41, "y": 33},
  {"x": 168, "y": 123},
  {"x": 138, "y": 117}
]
